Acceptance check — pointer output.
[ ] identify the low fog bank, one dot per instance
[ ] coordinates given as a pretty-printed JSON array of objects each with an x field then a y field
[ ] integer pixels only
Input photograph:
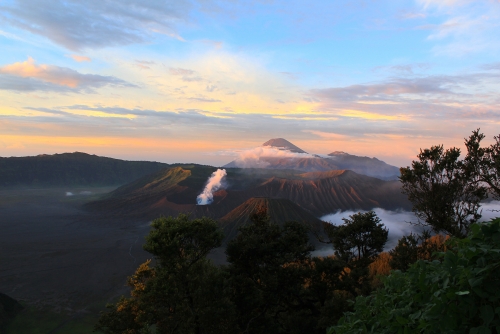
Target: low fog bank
[
  {"x": 81, "y": 193},
  {"x": 490, "y": 210},
  {"x": 398, "y": 222}
]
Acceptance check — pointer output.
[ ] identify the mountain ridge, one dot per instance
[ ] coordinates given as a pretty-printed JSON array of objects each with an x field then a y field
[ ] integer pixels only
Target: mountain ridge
[
  {"x": 71, "y": 169},
  {"x": 175, "y": 190},
  {"x": 337, "y": 160}
]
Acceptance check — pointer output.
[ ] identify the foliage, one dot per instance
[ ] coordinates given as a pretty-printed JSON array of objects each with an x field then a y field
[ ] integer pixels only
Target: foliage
[
  {"x": 268, "y": 268},
  {"x": 483, "y": 163},
  {"x": 184, "y": 292},
  {"x": 271, "y": 284},
  {"x": 356, "y": 244},
  {"x": 412, "y": 248},
  {"x": 360, "y": 237},
  {"x": 456, "y": 295},
  {"x": 277, "y": 287},
  {"x": 440, "y": 188},
  {"x": 380, "y": 267}
]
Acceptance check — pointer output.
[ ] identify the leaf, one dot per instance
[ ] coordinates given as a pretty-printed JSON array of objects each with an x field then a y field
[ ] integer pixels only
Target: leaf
[
  {"x": 461, "y": 293},
  {"x": 475, "y": 281},
  {"x": 483, "y": 330},
  {"x": 487, "y": 314}
]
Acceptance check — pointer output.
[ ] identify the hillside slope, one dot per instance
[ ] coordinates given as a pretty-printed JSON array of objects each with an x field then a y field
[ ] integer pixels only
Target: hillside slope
[
  {"x": 71, "y": 169},
  {"x": 280, "y": 211},
  {"x": 364, "y": 165},
  {"x": 174, "y": 190}
]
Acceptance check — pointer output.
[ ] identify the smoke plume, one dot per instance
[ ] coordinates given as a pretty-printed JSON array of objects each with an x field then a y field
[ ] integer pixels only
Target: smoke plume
[
  {"x": 214, "y": 183},
  {"x": 253, "y": 158}
]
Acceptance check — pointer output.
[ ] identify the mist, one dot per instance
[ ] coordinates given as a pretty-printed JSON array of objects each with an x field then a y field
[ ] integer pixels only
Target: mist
[
  {"x": 490, "y": 210},
  {"x": 253, "y": 158},
  {"x": 397, "y": 222}
]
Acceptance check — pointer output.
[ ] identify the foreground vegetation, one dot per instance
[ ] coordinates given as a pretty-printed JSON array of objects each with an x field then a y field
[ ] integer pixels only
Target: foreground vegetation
[
  {"x": 272, "y": 284},
  {"x": 459, "y": 292}
]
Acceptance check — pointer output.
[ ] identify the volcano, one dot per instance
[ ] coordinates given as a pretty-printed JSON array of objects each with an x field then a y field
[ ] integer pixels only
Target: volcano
[
  {"x": 281, "y": 143},
  {"x": 315, "y": 163},
  {"x": 174, "y": 190}
]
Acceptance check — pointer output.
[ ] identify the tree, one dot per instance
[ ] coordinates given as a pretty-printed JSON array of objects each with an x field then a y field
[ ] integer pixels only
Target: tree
[
  {"x": 483, "y": 163},
  {"x": 356, "y": 243},
  {"x": 269, "y": 266},
  {"x": 440, "y": 188},
  {"x": 277, "y": 287},
  {"x": 405, "y": 253},
  {"x": 360, "y": 237},
  {"x": 412, "y": 248},
  {"x": 184, "y": 292}
]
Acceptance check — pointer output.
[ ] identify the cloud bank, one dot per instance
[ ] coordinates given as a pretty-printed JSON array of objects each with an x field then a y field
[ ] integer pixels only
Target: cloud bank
[
  {"x": 254, "y": 158},
  {"x": 397, "y": 222}
]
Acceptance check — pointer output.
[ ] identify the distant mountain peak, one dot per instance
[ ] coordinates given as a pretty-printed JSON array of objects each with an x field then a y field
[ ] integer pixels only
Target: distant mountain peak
[{"x": 283, "y": 143}]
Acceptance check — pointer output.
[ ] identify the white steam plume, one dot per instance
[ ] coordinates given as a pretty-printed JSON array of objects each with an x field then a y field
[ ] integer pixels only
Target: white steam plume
[
  {"x": 252, "y": 158},
  {"x": 214, "y": 183}
]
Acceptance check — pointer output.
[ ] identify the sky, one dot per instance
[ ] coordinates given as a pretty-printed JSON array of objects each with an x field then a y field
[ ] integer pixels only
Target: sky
[{"x": 196, "y": 81}]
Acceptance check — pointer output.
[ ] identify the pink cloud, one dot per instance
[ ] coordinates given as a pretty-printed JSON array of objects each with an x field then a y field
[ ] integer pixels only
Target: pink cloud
[
  {"x": 28, "y": 75},
  {"x": 80, "y": 58}
]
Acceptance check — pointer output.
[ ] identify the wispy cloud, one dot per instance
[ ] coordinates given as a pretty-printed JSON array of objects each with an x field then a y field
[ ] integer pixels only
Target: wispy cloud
[
  {"x": 465, "y": 27},
  {"x": 437, "y": 87},
  {"x": 443, "y": 3},
  {"x": 203, "y": 99},
  {"x": 180, "y": 71},
  {"x": 403, "y": 69},
  {"x": 328, "y": 135},
  {"x": 80, "y": 59},
  {"x": 29, "y": 76},
  {"x": 78, "y": 25}
]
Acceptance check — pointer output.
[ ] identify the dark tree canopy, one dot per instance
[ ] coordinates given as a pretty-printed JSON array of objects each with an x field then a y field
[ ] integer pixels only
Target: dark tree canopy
[
  {"x": 268, "y": 269},
  {"x": 184, "y": 292},
  {"x": 483, "y": 163},
  {"x": 412, "y": 248},
  {"x": 277, "y": 287},
  {"x": 440, "y": 188},
  {"x": 360, "y": 237},
  {"x": 405, "y": 253},
  {"x": 272, "y": 284}
]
